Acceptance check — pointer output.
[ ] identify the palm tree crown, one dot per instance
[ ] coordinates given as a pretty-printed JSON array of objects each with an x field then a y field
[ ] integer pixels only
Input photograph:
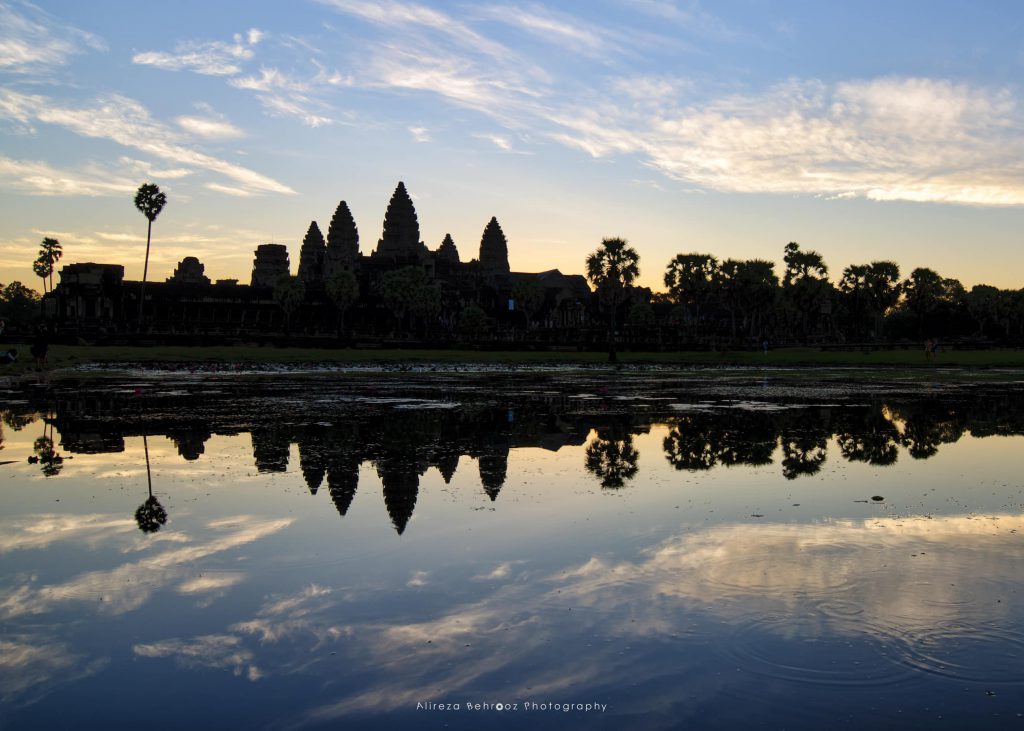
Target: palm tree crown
[{"x": 150, "y": 201}]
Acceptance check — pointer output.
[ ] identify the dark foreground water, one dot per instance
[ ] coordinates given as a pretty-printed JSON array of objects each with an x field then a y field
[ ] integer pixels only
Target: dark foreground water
[{"x": 538, "y": 550}]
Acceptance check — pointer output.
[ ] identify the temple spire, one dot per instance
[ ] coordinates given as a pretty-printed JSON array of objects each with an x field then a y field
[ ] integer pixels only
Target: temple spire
[
  {"x": 401, "y": 238},
  {"x": 311, "y": 256},
  {"x": 447, "y": 251},
  {"x": 494, "y": 249},
  {"x": 342, "y": 242}
]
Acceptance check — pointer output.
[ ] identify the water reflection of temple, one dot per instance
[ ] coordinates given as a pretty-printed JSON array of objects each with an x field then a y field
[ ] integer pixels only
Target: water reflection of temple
[{"x": 402, "y": 444}]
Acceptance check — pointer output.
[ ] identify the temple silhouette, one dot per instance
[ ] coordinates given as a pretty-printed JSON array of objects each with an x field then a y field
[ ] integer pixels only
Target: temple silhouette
[{"x": 96, "y": 299}]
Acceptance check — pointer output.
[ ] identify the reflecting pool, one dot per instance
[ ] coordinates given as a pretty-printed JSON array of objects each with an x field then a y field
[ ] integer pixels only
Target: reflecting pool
[{"x": 527, "y": 550}]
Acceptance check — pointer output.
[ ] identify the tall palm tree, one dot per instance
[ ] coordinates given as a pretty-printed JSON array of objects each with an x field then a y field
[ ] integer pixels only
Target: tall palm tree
[
  {"x": 612, "y": 269},
  {"x": 150, "y": 201},
  {"x": 50, "y": 252}
]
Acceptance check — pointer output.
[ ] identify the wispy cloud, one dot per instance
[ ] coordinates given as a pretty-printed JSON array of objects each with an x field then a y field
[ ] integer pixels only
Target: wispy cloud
[
  {"x": 211, "y": 58},
  {"x": 32, "y": 40},
  {"x": 126, "y": 122},
  {"x": 392, "y": 14},
  {"x": 557, "y": 28},
  {"x": 420, "y": 134},
  {"x": 36, "y": 177},
  {"x": 209, "y": 128}
]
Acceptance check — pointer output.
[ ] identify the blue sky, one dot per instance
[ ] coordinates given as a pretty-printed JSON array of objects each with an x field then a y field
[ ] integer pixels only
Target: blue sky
[{"x": 862, "y": 130}]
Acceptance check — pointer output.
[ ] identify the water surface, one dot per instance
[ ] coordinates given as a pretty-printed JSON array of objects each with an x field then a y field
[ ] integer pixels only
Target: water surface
[{"x": 361, "y": 550}]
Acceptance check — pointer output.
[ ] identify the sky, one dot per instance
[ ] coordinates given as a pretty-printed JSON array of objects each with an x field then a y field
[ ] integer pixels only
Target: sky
[{"x": 863, "y": 130}]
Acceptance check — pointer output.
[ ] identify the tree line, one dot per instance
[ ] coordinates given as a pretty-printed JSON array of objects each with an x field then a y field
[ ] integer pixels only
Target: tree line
[{"x": 730, "y": 301}]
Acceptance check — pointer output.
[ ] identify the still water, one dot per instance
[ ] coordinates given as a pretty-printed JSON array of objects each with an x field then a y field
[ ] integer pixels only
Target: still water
[{"x": 537, "y": 550}]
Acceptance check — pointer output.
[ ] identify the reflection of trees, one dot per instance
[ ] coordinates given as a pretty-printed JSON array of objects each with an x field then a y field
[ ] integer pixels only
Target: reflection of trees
[
  {"x": 803, "y": 454},
  {"x": 871, "y": 438},
  {"x": 927, "y": 425},
  {"x": 611, "y": 456},
  {"x": 151, "y": 515},
  {"x": 50, "y": 461},
  {"x": 701, "y": 441}
]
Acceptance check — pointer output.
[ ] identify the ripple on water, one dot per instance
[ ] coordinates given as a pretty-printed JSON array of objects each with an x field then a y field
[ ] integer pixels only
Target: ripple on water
[
  {"x": 806, "y": 650},
  {"x": 989, "y": 654}
]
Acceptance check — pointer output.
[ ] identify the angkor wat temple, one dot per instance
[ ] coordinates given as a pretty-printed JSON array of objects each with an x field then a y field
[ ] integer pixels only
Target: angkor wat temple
[{"x": 94, "y": 298}]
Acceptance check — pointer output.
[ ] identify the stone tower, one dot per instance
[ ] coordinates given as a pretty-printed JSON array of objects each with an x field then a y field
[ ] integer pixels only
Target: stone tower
[
  {"x": 342, "y": 242},
  {"x": 401, "y": 239},
  {"x": 447, "y": 252},
  {"x": 311, "y": 256},
  {"x": 494, "y": 249},
  {"x": 190, "y": 271},
  {"x": 271, "y": 263}
]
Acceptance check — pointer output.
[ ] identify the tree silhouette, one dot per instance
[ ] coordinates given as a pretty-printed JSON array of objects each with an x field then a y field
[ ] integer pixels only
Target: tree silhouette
[
  {"x": 869, "y": 292},
  {"x": 691, "y": 280},
  {"x": 150, "y": 201},
  {"x": 612, "y": 458},
  {"x": 529, "y": 295},
  {"x": 408, "y": 291},
  {"x": 151, "y": 515},
  {"x": 42, "y": 269},
  {"x": 612, "y": 269},
  {"x": 289, "y": 294},
  {"x": 805, "y": 286},
  {"x": 343, "y": 289},
  {"x": 473, "y": 321}
]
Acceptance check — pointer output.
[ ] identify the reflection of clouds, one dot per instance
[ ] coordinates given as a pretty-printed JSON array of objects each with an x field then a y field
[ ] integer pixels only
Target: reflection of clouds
[
  {"x": 222, "y": 652},
  {"x": 280, "y": 618},
  {"x": 129, "y": 586},
  {"x": 846, "y": 578},
  {"x": 211, "y": 582},
  {"x": 419, "y": 578},
  {"x": 501, "y": 571},
  {"x": 40, "y": 531},
  {"x": 878, "y": 578},
  {"x": 31, "y": 666},
  {"x": 884, "y": 568}
]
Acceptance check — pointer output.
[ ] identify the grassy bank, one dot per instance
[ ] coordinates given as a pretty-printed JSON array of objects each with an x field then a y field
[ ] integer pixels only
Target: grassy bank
[{"x": 62, "y": 356}]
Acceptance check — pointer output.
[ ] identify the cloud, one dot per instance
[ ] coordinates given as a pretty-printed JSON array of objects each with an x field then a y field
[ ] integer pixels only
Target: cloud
[
  {"x": 210, "y": 58},
  {"x": 559, "y": 29},
  {"x": 392, "y": 14},
  {"x": 33, "y": 40},
  {"x": 215, "y": 129},
  {"x": 126, "y": 122},
  {"x": 36, "y": 177},
  {"x": 420, "y": 134},
  {"x": 883, "y": 139},
  {"x": 285, "y": 96}
]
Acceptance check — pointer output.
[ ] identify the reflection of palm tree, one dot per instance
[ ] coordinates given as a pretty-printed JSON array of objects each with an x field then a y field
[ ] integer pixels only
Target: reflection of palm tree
[
  {"x": 803, "y": 454},
  {"x": 49, "y": 460},
  {"x": 151, "y": 515},
  {"x": 611, "y": 460}
]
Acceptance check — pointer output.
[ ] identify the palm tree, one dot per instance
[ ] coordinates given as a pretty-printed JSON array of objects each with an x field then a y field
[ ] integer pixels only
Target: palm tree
[
  {"x": 150, "y": 201},
  {"x": 50, "y": 252},
  {"x": 151, "y": 515},
  {"x": 612, "y": 269},
  {"x": 42, "y": 269}
]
